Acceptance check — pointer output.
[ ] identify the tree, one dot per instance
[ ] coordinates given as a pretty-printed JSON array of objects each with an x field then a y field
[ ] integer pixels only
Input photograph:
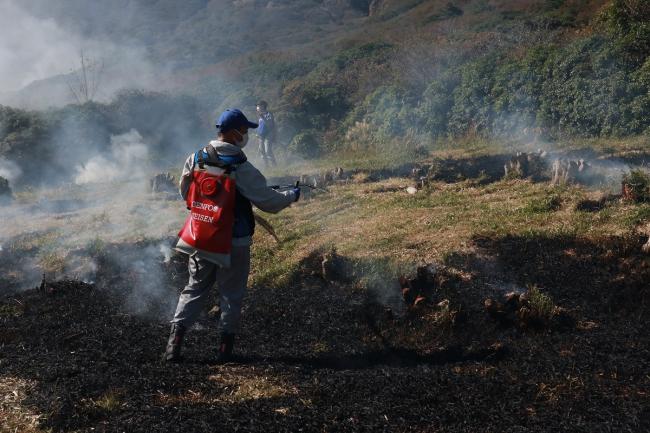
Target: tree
[{"x": 84, "y": 81}]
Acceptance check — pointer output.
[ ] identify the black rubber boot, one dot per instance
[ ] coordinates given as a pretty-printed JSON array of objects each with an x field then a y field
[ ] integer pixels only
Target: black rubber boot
[
  {"x": 173, "y": 351},
  {"x": 225, "y": 348}
]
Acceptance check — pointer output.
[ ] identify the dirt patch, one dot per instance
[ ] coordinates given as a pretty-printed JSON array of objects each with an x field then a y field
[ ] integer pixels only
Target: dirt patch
[
  {"x": 489, "y": 168},
  {"x": 591, "y": 205},
  {"x": 92, "y": 362},
  {"x": 526, "y": 166}
]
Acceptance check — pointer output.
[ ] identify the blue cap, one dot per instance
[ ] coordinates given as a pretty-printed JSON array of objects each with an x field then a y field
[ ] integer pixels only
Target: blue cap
[{"x": 233, "y": 119}]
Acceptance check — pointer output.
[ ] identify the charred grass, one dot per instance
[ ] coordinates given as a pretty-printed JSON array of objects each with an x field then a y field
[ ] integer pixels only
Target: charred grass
[{"x": 323, "y": 353}]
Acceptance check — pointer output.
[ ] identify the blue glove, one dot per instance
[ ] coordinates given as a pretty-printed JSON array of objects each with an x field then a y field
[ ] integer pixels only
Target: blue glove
[{"x": 296, "y": 192}]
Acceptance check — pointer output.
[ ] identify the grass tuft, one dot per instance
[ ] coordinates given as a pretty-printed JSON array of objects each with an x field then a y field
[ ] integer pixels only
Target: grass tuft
[
  {"x": 636, "y": 185},
  {"x": 546, "y": 204},
  {"x": 109, "y": 401},
  {"x": 540, "y": 304},
  {"x": 53, "y": 262}
]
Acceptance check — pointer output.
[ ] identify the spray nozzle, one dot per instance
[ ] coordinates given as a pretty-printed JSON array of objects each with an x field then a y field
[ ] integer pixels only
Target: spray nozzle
[{"x": 298, "y": 185}]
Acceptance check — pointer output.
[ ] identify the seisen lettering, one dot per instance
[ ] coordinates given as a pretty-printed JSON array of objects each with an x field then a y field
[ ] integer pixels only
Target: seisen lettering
[
  {"x": 204, "y": 218},
  {"x": 205, "y": 206}
]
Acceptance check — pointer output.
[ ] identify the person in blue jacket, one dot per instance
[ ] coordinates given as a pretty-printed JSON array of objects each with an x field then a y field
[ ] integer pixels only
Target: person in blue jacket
[{"x": 266, "y": 133}]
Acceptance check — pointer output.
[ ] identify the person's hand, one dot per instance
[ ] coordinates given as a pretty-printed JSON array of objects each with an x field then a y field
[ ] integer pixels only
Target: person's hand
[{"x": 296, "y": 192}]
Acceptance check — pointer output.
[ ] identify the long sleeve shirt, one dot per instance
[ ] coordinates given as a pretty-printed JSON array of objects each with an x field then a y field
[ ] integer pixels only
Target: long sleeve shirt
[{"x": 250, "y": 182}]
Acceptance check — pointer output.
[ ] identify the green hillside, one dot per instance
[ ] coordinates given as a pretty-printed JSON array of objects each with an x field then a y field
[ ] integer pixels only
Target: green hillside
[
  {"x": 366, "y": 75},
  {"x": 200, "y": 32}
]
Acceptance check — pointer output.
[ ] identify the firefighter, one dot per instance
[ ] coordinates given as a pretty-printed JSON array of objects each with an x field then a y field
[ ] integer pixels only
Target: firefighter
[
  {"x": 266, "y": 133},
  {"x": 206, "y": 268}
]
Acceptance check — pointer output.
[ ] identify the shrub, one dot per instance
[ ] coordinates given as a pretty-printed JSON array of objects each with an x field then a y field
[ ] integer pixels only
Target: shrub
[
  {"x": 305, "y": 144},
  {"x": 22, "y": 133},
  {"x": 361, "y": 136},
  {"x": 449, "y": 11},
  {"x": 583, "y": 81},
  {"x": 473, "y": 108},
  {"x": 434, "y": 109},
  {"x": 389, "y": 110},
  {"x": 636, "y": 186},
  {"x": 629, "y": 22}
]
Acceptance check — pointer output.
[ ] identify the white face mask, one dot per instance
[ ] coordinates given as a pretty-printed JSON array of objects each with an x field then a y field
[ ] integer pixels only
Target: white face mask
[{"x": 243, "y": 141}]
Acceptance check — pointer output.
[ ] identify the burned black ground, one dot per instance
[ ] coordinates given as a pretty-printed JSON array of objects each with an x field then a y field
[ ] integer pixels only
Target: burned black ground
[{"x": 320, "y": 356}]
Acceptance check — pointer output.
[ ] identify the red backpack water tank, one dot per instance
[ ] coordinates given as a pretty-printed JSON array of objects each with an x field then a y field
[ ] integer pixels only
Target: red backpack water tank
[{"x": 211, "y": 201}]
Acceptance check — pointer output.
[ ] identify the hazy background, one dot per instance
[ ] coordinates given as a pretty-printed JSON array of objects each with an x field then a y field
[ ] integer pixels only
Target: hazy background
[{"x": 341, "y": 76}]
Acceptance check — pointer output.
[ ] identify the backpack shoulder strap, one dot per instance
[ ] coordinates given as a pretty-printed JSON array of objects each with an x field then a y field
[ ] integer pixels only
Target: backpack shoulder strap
[
  {"x": 212, "y": 153},
  {"x": 210, "y": 157},
  {"x": 233, "y": 159},
  {"x": 201, "y": 158},
  {"x": 207, "y": 156}
]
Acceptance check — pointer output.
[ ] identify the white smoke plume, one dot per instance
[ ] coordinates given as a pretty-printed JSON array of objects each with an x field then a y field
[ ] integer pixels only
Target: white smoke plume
[
  {"x": 91, "y": 230},
  {"x": 128, "y": 154},
  {"x": 30, "y": 48},
  {"x": 148, "y": 292},
  {"x": 39, "y": 61},
  {"x": 166, "y": 252},
  {"x": 9, "y": 170}
]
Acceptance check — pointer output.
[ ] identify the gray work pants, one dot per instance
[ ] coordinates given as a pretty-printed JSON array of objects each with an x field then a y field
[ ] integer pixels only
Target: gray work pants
[
  {"x": 232, "y": 287},
  {"x": 266, "y": 151}
]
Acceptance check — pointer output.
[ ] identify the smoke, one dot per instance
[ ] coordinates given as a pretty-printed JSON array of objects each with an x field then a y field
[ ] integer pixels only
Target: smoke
[
  {"x": 128, "y": 155},
  {"x": 31, "y": 49},
  {"x": 607, "y": 174},
  {"x": 40, "y": 62},
  {"x": 381, "y": 278},
  {"x": 149, "y": 293},
  {"x": 109, "y": 234},
  {"x": 166, "y": 252},
  {"x": 385, "y": 288},
  {"x": 10, "y": 170},
  {"x": 81, "y": 267},
  {"x": 105, "y": 228}
]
